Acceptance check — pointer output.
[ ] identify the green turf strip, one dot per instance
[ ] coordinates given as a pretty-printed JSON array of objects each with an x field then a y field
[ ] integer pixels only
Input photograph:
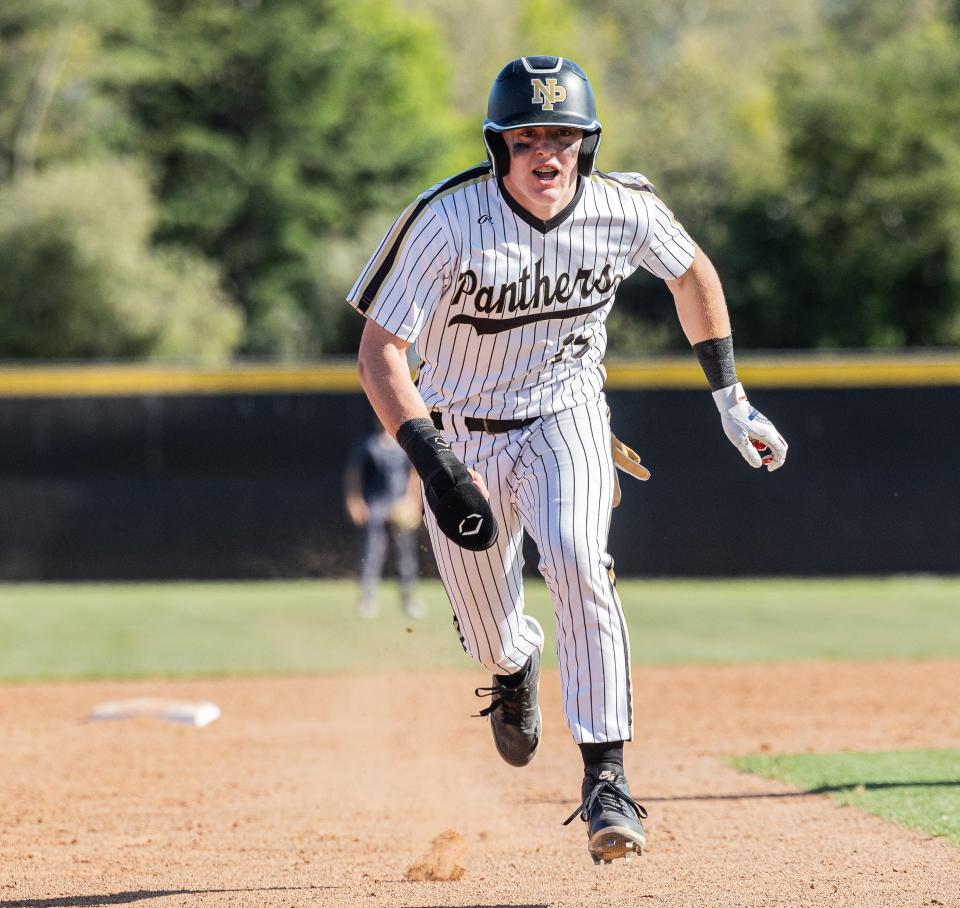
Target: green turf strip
[
  {"x": 129, "y": 630},
  {"x": 918, "y": 788}
]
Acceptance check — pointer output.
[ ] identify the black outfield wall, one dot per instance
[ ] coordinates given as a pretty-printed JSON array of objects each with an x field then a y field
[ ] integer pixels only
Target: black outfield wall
[{"x": 248, "y": 485}]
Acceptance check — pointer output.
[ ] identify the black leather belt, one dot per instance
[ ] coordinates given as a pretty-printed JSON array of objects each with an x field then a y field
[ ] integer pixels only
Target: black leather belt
[{"x": 481, "y": 424}]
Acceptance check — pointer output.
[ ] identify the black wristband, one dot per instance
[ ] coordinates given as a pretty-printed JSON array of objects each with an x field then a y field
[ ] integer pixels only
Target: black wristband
[{"x": 716, "y": 360}]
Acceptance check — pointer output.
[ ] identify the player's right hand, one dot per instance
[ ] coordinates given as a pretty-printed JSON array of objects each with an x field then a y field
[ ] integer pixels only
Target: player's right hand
[
  {"x": 358, "y": 511},
  {"x": 458, "y": 502},
  {"x": 749, "y": 431}
]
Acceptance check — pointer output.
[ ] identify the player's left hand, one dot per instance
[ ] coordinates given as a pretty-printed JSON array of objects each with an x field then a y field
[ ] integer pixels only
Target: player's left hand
[
  {"x": 750, "y": 432},
  {"x": 477, "y": 480},
  {"x": 456, "y": 497}
]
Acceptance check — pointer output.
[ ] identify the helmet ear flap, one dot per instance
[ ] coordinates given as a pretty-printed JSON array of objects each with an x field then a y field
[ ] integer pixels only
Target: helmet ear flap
[
  {"x": 497, "y": 152},
  {"x": 588, "y": 153}
]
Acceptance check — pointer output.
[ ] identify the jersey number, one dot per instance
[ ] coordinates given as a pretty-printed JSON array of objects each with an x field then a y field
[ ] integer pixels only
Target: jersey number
[{"x": 576, "y": 345}]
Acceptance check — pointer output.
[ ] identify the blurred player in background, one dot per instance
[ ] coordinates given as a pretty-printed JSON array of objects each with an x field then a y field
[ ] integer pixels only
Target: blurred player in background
[{"x": 382, "y": 495}]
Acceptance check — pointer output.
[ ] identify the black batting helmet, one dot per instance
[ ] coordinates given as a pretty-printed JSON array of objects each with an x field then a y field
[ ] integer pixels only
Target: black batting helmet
[{"x": 541, "y": 91}]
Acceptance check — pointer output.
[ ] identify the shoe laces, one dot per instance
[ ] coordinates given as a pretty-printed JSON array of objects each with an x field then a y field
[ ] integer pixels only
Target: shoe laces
[
  {"x": 611, "y": 797},
  {"x": 513, "y": 702}
]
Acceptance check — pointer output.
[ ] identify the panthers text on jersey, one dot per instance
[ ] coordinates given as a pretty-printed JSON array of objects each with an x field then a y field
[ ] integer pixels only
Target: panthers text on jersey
[{"x": 506, "y": 312}]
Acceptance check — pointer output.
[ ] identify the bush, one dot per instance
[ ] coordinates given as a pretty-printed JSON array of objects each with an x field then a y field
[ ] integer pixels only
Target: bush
[{"x": 79, "y": 278}]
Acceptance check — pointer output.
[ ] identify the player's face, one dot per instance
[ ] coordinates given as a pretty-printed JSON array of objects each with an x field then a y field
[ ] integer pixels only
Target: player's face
[{"x": 543, "y": 167}]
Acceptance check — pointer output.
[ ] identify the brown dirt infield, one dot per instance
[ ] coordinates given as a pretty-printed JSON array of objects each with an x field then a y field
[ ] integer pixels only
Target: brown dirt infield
[{"x": 325, "y": 790}]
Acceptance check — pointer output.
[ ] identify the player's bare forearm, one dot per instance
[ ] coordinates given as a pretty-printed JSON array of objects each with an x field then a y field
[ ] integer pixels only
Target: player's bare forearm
[
  {"x": 703, "y": 315},
  {"x": 698, "y": 296},
  {"x": 385, "y": 378}
]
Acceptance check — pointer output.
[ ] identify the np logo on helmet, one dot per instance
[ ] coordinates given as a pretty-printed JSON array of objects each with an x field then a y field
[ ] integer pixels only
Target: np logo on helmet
[{"x": 547, "y": 93}]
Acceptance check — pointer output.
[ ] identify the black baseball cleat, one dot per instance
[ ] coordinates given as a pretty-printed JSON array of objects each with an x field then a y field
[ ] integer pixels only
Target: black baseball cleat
[
  {"x": 514, "y": 713},
  {"x": 613, "y": 818}
]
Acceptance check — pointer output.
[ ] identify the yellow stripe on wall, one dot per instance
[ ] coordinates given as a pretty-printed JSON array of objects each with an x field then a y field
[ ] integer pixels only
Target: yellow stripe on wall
[
  {"x": 669, "y": 372},
  {"x": 120, "y": 381},
  {"x": 791, "y": 372}
]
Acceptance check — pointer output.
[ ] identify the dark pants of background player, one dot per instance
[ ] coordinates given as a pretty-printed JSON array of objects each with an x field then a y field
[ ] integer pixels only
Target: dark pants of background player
[{"x": 375, "y": 555}]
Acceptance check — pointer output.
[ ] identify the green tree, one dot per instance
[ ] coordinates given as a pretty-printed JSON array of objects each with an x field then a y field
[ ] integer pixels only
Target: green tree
[
  {"x": 60, "y": 71},
  {"x": 259, "y": 149},
  {"x": 860, "y": 245},
  {"x": 80, "y": 279},
  {"x": 270, "y": 125}
]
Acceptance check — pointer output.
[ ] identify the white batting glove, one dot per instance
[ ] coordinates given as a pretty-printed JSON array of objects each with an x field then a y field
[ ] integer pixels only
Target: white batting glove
[{"x": 750, "y": 432}]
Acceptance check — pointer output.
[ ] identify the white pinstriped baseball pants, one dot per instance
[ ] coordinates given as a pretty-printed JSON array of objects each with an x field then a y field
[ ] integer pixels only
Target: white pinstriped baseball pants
[{"x": 554, "y": 480}]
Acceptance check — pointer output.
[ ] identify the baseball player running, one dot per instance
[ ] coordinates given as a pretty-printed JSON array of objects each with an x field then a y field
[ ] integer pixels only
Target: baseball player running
[{"x": 502, "y": 278}]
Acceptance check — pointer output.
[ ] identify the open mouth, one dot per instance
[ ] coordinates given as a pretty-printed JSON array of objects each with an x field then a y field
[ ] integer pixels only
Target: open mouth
[{"x": 545, "y": 174}]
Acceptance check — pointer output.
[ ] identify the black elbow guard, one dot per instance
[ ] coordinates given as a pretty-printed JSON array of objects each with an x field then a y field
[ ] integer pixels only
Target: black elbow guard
[{"x": 462, "y": 513}]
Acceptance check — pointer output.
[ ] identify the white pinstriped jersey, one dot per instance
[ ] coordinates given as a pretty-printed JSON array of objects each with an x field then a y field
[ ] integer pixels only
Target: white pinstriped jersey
[{"x": 506, "y": 311}]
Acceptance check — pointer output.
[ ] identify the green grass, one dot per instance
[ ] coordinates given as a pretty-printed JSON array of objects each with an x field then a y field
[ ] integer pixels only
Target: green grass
[
  {"x": 919, "y": 788},
  {"x": 127, "y": 630}
]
